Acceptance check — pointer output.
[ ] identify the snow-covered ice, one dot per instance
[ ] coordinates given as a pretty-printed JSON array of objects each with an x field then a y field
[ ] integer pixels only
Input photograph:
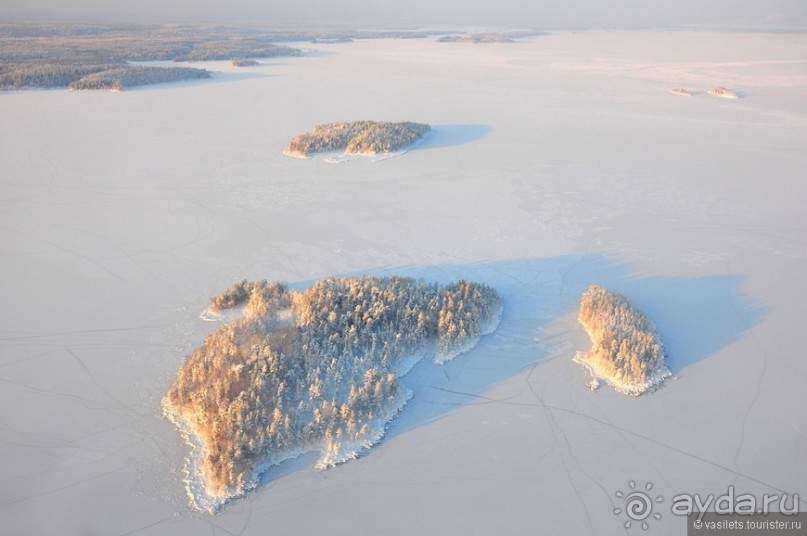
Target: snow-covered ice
[{"x": 556, "y": 163}]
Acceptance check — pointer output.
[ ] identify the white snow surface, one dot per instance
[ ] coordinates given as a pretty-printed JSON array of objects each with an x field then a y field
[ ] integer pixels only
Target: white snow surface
[{"x": 555, "y": 163}]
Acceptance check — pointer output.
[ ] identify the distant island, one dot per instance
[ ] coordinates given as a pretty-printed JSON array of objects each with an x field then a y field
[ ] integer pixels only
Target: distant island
[
  {"x": 244, "y": 62},
  {"x": 314, "y": 370},
  {"x": 681, "y": 91},
  {"x": 331, "y": 40},
  {"x": 722, "y": 92},
  {"x": 476, "y": 38},
  {"x": 626, "y": 351},
  {"x": 358, "y": 137},
  {"x": 488, "y": 37}
]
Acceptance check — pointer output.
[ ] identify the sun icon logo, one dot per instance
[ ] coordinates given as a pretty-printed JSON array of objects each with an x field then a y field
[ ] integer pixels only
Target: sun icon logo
[{"x": 638, "y": 506}]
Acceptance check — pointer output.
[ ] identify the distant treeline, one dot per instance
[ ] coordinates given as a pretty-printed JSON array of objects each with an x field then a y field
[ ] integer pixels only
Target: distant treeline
[
  {"x": 137, "y": 75},
  {"x": 244, "y": 62},
  {"x": 48, "y": 74},
  {"x": 487, "y": 37},
  {"x": 476, "y": 38},
  {"x": 24, "y": 43},
  {"x": 101, "y": 76},
  {"x": 50, "y": 56},
  {"x": 56, "y": 55},
  {"x": 360, "y": 137},
  {"x": 191, "y": 32}
]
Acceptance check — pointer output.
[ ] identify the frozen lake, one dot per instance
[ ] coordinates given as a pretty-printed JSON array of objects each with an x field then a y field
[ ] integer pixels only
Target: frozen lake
[{"x": 554, "y": 163}]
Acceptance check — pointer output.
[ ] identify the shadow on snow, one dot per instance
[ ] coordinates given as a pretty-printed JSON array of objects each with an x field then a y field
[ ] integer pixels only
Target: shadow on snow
[
  {"x": 695, "y": 317},
  {"x": 442, "y": 136}
]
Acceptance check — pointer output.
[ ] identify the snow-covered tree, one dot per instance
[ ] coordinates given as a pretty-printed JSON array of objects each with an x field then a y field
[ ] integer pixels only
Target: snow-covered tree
[{"x": 259, "y": 389}]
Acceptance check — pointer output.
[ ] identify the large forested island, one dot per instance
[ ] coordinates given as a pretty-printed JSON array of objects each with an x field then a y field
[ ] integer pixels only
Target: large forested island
[
  {"x": 358, "y": 137},
  {"x": 313, "y": 370},
  {"x": 625, "y": 351}
]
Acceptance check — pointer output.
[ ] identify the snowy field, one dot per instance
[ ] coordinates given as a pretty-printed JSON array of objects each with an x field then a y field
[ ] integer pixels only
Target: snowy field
[{"x": 555, "y": 163}]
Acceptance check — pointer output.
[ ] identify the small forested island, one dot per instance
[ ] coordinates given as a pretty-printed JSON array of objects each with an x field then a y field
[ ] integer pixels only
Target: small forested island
[
  {"x": 625, "y": 349},
  {"x": 722, "y": 92},
  {"x": 358, "y": 137},
  {"x": 488, "y": 37},
  {"x": 330, "y": 40},
  {"x": 476, "y": 38},
  {"x": 244, "y": 62},
  {"x": 316, "y": 370},
  {"x": 491, "y": 37},
  {"x": 681, "y": 91}
]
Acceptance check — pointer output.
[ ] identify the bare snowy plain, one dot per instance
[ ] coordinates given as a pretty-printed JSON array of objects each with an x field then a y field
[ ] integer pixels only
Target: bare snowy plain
[{"x": 555, "y": 163}]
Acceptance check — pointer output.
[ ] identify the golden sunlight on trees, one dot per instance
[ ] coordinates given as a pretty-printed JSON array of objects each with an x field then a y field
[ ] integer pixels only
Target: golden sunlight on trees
[
  {"x": 359, "y": 137},
  {"x": 315, "y": 370},
  {"x": 625, "y": 351}
]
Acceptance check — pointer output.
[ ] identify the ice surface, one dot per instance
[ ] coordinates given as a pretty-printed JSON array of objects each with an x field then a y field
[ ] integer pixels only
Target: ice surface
[{"x": 569, "y": 164}]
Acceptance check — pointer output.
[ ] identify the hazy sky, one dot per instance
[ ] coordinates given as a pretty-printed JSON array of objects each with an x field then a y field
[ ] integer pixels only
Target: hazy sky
[{"x": 533, "y": 13}]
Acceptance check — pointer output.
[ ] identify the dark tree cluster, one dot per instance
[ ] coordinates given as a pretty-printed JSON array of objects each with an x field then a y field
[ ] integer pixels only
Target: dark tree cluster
[
  {"x": 317, "y": 369},
  {"x": 476, "y": 38},
  {"x": 244, "y": 62},
  {"x": 235, "y": 48},
  {"x": 137, "y": 75},
  {"x": 360, "y": 137},
  {"x": 78, "y": 75},
  {"x": 488, "y": 37},
  {"x": 48, "y": 75}
]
